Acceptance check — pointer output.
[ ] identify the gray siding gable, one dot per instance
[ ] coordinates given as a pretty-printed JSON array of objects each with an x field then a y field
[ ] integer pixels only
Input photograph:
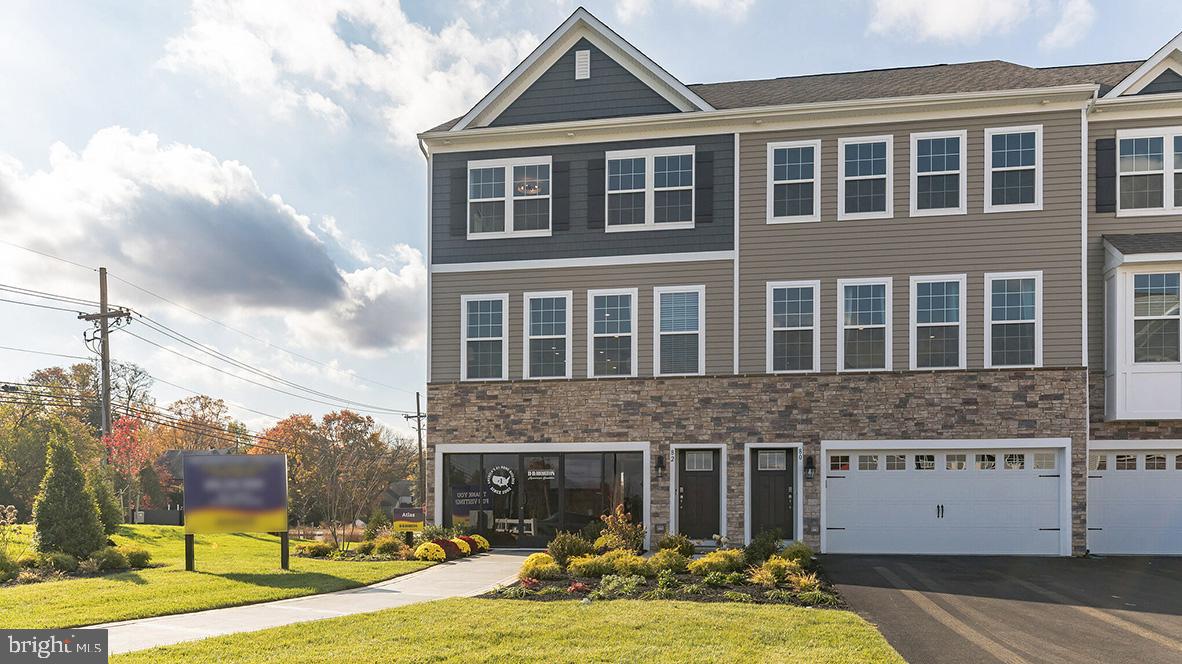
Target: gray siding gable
[
  {"x": 611, "y": 92},
  {"x": 577, "y": 226},
  {"x": 1168, "y": 81}
]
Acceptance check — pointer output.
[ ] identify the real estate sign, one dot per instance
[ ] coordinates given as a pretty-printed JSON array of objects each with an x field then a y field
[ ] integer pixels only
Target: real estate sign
[
  {"x": 235, "y": 493},
  {"x": 408, "y": 520}
]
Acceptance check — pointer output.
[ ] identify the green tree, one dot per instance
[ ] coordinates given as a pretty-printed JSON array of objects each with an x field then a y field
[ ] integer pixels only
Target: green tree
[
  {"x": 110, "y": 511},
  {"x": 65, "y": 513},
  {"x": 376, "y": 521}
]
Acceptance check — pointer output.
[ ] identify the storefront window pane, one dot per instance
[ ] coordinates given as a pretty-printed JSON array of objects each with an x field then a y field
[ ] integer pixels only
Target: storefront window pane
[
  {"x": 464, "y": 499},
  {"x": 585, "y": 500},
  {"x": 626, "y": 483},
  {"x": 541, "y": 514},
  {"x": 502, "y": 481}
]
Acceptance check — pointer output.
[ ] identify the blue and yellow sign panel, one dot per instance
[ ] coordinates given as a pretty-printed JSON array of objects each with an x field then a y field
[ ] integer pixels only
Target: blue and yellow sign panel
[{"x": 235, "y": 493}]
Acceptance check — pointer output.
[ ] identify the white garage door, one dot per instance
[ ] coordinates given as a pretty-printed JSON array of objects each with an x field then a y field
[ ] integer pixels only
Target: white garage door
[
  {"x": 1135, "y": 502},
  {"x": 956, "y": 501}
]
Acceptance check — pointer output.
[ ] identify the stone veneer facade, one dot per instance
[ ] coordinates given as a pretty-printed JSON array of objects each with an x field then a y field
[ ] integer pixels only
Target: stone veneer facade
[{"x": 735, "y": 410}]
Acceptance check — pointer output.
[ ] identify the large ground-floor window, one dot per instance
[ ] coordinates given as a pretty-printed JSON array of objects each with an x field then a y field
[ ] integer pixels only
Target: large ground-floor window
[{"x": 523, "y": 499}]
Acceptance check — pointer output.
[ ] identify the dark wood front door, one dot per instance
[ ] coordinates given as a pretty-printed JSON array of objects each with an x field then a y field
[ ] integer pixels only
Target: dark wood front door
[
  {"x": 698, "y": 496},
  {"x": 772, "y": 491}
]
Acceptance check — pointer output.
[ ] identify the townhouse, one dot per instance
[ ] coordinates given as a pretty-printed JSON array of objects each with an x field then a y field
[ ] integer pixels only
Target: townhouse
[{"x": 919, "y": 310}]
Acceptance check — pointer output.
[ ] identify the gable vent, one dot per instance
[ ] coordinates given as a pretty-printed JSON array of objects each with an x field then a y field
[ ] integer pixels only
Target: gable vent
[{"x": 582, "y": 65}]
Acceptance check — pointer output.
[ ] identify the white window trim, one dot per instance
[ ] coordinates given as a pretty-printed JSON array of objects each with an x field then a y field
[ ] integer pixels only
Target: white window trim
[
  {"x": 526, "y": 336},
  {"x": 888, "y": 354},
  {"x": 961, "y": 173},
  {"x": 657, "y": 292},
  {"x": 1169, "y": 205},
  {"x": 591, "y": 294},
  {"x": 508, "y": 198},
  {"x": 1019, "y": 207},
  {"x": 464, "y": 300},
  {"x": 913, "y": 323},
  {"x": 650, "y": 188},
  {"x": 1131, "y": 296},
  {"x": 990, "y": 277},
  {"x": 842, "y": 215},
  {"x": 770, "y": 330},
  {"x": 772, "y": 182}
]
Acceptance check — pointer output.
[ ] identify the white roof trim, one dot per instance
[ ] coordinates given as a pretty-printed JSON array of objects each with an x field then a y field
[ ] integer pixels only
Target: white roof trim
[
  {"x": 1139, "y": 73},
  {"x": 583, "y": 20},
  {"x": 1114, "y": 258}
]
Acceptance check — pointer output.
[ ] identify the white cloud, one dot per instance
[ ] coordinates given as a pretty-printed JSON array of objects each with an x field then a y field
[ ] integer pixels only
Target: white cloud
[
  {"x": 1075, "y": 20},
  {"x": 945, "y": 21},
  {"x": 630, "y": 10},
  {"x": 176, "y": 219},
  {"x": 627, "y": 11},
  {"x": 344, "y": 60}
]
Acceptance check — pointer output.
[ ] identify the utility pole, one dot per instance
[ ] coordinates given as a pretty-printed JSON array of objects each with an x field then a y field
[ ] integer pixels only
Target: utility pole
[
  {"x": 418, "y": 418},
  {"x": 102, "y": 334}
]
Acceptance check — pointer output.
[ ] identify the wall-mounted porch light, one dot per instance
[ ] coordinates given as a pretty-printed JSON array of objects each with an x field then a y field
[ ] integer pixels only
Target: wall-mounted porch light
[
  {"x": 660, "y": 464},
  {"x": 810, "y": 467}
]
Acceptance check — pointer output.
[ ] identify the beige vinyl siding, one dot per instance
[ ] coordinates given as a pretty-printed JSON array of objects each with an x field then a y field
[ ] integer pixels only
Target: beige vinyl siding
[
  {"x": 1108, "y": 222},
  {"x": 901, "y": 247},
  {"x": 447, "y": 288}
]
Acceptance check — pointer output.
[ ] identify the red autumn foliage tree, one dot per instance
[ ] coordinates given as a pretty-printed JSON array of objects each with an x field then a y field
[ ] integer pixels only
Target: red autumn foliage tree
[{"x": 127, "y": 452}]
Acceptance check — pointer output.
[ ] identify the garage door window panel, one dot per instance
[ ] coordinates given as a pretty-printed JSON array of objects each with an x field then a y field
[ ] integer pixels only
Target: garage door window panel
[
  {"x": 1015, "y": 461},
  {"x": 955, "y": 462},
  {"x": 1155, "y": 462},
  {"x": 986, "y": 462},
  {"x": 1098, "y": 462},
  {"x": 896, "y": 462},
  {"x": 868, "y": 462},
  {"x": 925, "y": 461},
  {"x": 1044, "y": 460},
  {"x": 840, "y": 462},
  {"x": 1126, "y": 462}
]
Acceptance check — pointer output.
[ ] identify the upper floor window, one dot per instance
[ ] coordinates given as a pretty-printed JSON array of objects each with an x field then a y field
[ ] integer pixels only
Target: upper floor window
[
  {"x": 1156, "y": 317},
  {"x": 937, "y": 329},
  {"x": 611, "y": 340},
  {"x": 509, "y": 197},
  {"x": 679, "y": 347},
  {"x": 864, "y": 190},
  {"x": 547, "y": 335},
  {"x": 793, "y": 190},
  {"x": 1149, "y": 167},
  {"x": 1013, "y": 169},
  {"x": 864, "y": 336},
  {"x": 1013, "y": 319},
  {"x": 484, "y": 353},
  {"x": 938, "y": 173},
  {"x": 792, "y": 340},
  {"x": 650, "y": 189}
]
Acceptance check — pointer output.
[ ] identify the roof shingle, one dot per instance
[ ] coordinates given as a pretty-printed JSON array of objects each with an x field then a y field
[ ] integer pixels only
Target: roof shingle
[{"x": 1145, "y": 243}]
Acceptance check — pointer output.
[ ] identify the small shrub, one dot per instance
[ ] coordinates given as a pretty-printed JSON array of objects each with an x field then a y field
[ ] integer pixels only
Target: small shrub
[
  {"x": 618, "y": 585},
  {"x": 88, "y": 567},
  {"x": 551, "y": 590},
  {"x": 464, "y": 547},
  {"x": 800, "y": 552},
  {"x": 723, "y": 579},
  {"x": 65, "y": 513},
  {"x": 473, "y": 545},
  {"x": 804, "y": 583},
  {"x": 364, "y": 548},
  {"x": 817, "y": 598},
  {"x": 578, "y": 587},
  {"x": 430, "y": 551},
  {"x": 530, "y": 583},
  {"x": 484, "y": 545},
  {"x": 692, "y": 589},
  {"x": 667, "y": 580},
  {"x": 57, "y": 561},
  {"x": 762, "y": 546},
  {"x": 8, "y": 568},
  {"x": 314, "y": 549},
  {"x": 677, "y": 542},
  {"x": 590, "y": 566},
  {"x": 659, "y": 593},
  {"x": 539, "y": 566},
  {"x": 736, "y": 596},
  {"x": 774, "y": 571},
  {"x": 449, "y": 547},
  {"x": 391, "y": 545},
  {"x": 779, "y": 595},
  {"x": 137, "y": 557},
  {"x": 723, "y": 560},
  {"x": 431, "y": 532},
  {"x": 592, "y": 530},
  {"x": 669, "y": 560},
  {"x": 109, "y": 558},
  {"x": 619, "y": 532},
  {"x": 565, "y": 546},
  {"x": 626, "y": 563},
  {"x": 516, "y": 592},
  {"x": 378, "y": 520}
]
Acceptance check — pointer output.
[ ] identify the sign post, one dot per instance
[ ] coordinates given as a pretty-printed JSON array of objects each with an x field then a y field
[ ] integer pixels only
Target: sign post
[{"x": 235, "y": 493}]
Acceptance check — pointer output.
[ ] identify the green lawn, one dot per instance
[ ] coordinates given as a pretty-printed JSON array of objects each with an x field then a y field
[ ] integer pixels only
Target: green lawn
[
  {"x": 480, "y": 630},
  {"x": 231, "y": 570}
]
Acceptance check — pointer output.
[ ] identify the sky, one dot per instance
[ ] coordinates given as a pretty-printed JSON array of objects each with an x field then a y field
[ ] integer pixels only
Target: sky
[{"x": 255, "y": 163}]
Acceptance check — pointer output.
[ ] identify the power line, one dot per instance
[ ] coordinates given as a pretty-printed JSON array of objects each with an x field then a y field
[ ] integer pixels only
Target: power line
[
  {"x": 197, "y": 345},
  {"x": 258, "y": 339},
  {"x": 43, "y": 352},
  {"x": 29, "y": 292},
  {"x": 254, "y": 382},
  {"x": 47, "y": 255},
  {"x": 41, "y": 306}
]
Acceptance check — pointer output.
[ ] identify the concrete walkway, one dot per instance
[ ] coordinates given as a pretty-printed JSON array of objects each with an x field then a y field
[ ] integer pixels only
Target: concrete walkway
[{"x": 460, "y": 578}]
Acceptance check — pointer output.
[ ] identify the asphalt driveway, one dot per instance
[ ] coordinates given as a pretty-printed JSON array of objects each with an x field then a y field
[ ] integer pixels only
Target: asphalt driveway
[{"x": 990, "y": 609}]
